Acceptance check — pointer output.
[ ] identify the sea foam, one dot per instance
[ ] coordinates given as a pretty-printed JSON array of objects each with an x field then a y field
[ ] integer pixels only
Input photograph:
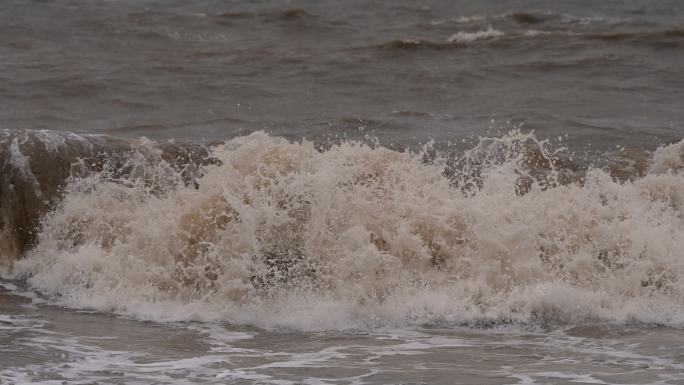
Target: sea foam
[{"x": 276, "y": 233}]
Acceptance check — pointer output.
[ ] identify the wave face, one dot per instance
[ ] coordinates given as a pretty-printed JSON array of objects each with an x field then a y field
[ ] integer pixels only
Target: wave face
[
  {"x": 282, "y": 234},
  {"x": 35, "y": 165}
]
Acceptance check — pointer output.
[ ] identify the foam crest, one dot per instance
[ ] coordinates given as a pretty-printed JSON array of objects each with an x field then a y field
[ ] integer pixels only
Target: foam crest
[
  {"x": 668, "y": 159},
  {"x": 467, "y": 37},
  {"x": 276, "y": 233}
]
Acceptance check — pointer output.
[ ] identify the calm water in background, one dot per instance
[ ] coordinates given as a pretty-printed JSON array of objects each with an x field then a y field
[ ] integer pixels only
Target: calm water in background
[{"x": 599, "y": 74}]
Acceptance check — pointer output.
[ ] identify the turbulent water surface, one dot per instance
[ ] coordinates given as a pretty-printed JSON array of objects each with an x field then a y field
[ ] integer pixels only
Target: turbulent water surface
[{"x": 342, "y": 192}]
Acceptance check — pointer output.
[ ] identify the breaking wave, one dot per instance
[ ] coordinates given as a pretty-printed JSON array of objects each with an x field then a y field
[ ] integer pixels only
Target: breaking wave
[
  {"x": 664, "y": 38},
  {"x": 276, "y": 233}
]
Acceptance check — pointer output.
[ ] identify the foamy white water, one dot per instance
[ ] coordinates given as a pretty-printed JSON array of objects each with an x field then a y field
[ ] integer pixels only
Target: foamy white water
[
  {"x": 280, "y": 234},
  {"x": 467, "y": 37},
  {"x": 49, "y": 345}
]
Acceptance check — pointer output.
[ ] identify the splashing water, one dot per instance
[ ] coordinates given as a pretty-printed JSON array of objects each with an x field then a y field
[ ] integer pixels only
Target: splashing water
[{"x": 282, "y": 234}]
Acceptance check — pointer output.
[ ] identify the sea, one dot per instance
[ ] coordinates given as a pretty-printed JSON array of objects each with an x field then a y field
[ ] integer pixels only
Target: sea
[{"x": 341, "y": 192}]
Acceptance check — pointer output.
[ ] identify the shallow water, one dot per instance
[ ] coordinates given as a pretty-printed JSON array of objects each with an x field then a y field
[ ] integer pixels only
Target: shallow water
[{"x": 44, "y": 344}]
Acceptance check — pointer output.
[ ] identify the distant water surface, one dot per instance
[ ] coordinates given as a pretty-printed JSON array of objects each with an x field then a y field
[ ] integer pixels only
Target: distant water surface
[{"x": 605, "y": 73}]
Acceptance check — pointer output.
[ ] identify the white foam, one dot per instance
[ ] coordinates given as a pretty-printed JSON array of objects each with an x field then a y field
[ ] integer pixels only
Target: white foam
[
  {"x": 283, "y": 235},
  {"x": 20, "y": 162},
  {"x": 472, "y": 18},
  {"x": 467, "y": 37},
  {"x": 668, "y": 159}
]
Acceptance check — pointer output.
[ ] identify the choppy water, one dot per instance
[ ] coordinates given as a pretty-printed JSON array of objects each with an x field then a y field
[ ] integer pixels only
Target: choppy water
[
  {"x": 342, "y": 193},
  {"x": 607, "y": 72}
]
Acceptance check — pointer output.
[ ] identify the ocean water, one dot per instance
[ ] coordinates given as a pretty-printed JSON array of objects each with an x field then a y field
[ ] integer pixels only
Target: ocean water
[{"x": 356, "y": 192}]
